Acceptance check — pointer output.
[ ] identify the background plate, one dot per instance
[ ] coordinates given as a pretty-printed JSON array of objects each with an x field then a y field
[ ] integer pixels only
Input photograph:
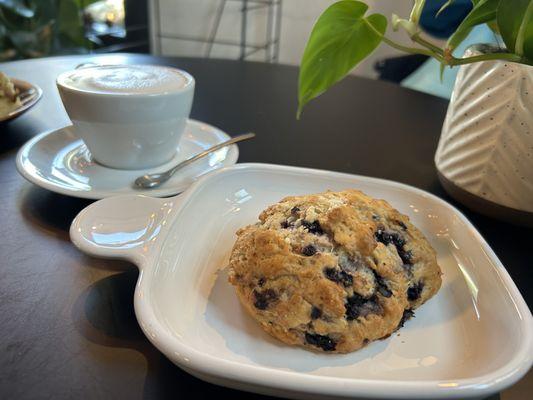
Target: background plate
[{"x": 30, "y": 95}]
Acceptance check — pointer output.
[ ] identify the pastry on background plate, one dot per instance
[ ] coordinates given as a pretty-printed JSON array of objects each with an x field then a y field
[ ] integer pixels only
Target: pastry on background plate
[
  {"x": 9, "y": 99},
  {"x": 332, "y": 271}
]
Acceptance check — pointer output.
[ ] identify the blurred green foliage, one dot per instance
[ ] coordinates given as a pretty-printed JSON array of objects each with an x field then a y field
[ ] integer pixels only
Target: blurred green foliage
[{"x": 36, "y": 28}]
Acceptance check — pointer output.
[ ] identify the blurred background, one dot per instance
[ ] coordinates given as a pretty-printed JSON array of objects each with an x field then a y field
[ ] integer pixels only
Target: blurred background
[{"x": 258, "y": 30}]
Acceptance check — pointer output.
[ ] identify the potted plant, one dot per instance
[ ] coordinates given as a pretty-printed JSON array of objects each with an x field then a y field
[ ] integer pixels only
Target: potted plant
[
  {"x": 485, "y": 154},
  {"x": 37, "y": 28}
]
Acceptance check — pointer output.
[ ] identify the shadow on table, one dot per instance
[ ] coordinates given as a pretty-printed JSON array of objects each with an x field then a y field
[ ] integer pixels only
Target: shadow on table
[
  {"x": 11, "y": 138},
  {"x": 104, "y": 315},
  {"x": 50, "y": 212},
  {"x": 53, "y": 213}
]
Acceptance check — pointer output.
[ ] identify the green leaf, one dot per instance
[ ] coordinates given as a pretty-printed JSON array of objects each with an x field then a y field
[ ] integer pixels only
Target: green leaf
[
  {"x": 31, "y": 43},
  {"x": 17, "y": 7},
  {"x": 515, "y": 22},
  {"x": 416, "y": 11},
  {"x": 444, "y": 7},
  {"x": 449, "y": 2},
  {"x": 69, "y": 23},
  {"x": 55, "y": 27},
  {"x": 85, "y": 3},
  {"x": 341, "y": 38},
  {"x": 483, "y": 11}
]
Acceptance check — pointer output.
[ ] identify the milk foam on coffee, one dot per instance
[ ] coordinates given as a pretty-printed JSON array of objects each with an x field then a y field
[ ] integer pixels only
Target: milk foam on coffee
[{"x": 126, "y": 79}]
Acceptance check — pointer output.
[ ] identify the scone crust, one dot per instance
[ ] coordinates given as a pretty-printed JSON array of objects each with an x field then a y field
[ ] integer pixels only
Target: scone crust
[{"x": 332, "y": 271}]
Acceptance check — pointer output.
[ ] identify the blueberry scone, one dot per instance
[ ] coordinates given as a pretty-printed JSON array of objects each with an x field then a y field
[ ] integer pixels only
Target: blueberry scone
[{"x": 332, "y": 271}]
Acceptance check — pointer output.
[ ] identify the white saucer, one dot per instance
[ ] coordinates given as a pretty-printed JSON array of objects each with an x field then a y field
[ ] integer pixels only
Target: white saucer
[{"x": 60, "y": 162}]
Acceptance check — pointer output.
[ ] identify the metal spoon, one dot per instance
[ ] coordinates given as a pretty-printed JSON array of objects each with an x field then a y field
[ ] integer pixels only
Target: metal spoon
[{"x": 150, "y": 181}]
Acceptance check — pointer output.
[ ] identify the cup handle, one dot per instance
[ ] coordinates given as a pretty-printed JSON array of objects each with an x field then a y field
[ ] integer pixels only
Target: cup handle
[{"x": 129, "y": 227}]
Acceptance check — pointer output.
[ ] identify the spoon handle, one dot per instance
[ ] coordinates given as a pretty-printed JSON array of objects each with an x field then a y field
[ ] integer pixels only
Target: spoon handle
[
  {"x": 204, "y": 153},
  {"x": 211, "y": 149}
]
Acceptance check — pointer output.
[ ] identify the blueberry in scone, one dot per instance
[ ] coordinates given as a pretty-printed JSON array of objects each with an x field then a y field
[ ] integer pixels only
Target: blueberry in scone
[{"x": 332, "y": 271}]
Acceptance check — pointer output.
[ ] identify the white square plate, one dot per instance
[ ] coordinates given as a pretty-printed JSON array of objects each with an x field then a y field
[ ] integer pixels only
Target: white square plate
[{"x": 472, "y": 339}]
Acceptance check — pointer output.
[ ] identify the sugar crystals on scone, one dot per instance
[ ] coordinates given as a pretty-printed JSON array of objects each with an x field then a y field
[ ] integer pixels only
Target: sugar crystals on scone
[{"x": 332, "y": 271}]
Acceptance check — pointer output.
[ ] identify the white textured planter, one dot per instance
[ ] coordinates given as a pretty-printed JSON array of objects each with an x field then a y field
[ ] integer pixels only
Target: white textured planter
[{"x": 485, "y": 153}]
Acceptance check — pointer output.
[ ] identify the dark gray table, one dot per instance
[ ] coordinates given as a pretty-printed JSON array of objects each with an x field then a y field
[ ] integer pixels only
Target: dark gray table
[{"x": 67, "y": 327}]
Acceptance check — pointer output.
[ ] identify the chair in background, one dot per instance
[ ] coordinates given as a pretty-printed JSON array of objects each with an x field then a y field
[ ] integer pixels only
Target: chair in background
[{"x": 270, "y": 45}]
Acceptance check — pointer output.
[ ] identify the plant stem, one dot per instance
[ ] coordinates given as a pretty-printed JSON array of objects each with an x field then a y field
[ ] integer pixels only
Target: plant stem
[
  {"x": 487, "y": 57},
  {"x": 410, "y": 50},
  {"x": 458, "y": 61},
  {"x": 406, "y": 49},
  {"x": 418, "y": 39}
]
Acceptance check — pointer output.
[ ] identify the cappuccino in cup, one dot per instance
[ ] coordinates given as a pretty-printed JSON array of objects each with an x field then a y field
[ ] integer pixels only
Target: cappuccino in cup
[
  {"x": 129, "y": 116},
  {"x": 126, "y": 79}
]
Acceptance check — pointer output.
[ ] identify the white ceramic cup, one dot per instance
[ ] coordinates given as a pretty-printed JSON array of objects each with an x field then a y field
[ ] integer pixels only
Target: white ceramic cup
[{"x": 128, "y": 129}]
